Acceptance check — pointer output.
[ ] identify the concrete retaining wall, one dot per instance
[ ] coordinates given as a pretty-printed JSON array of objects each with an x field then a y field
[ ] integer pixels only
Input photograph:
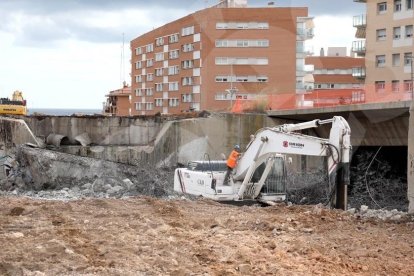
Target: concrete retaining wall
[
  {"x": 181, "y": 141},
  {"x": 101, "y": 130}
]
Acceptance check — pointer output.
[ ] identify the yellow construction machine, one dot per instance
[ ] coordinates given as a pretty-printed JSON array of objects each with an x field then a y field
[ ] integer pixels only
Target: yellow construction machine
[{"x": 15, "y": 106}]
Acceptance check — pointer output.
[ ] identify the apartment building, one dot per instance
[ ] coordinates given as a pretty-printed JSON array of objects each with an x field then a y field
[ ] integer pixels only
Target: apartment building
[
  {"x": 213, "y": 57},
  {"x": 386, "y": 40},
  {"x": 118, "y": 102},
  {"x": 334, "y": 82}
]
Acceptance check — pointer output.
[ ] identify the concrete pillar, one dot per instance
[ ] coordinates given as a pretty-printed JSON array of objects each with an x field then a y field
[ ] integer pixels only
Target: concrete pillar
[{"x": 410, "y": 169}]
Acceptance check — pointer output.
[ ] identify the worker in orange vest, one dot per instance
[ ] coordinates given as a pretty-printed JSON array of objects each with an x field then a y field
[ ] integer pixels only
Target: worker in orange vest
[{"x": 231, "y": 163}]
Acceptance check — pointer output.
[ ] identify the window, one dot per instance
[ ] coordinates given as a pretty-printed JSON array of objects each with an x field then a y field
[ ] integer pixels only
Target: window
[
  {"x": 381, "y": 34},
  {"x": 262, "y": 78},
  {"x": 149, "y": 106},
  {"x": 138, "y": 106},
  {"x": 242, "y": 79},
  {"x": 186, "y": 98},
  {"x": 138, "y": 51},
  {"x": 149, "y": 91},
  {"x": 242, "y": 43},
  {"x": 158, "y": 102},
  {"x": 173, "y": 38},
  {"x": 409, "y": 31},
  {"x": 138, "y": 92},
  {"x": 380, "y": 61},
  {"x": 222, "y": 78},
  {"x": 407, "y": 58},
  {"x": 138, "y": 78},
  {"x": 173, "y": 86},
  {"x": 149, "y": 48},
  {"x": 188, "y": 47},
  {"x": 173, "y": 70},
  {"x": 397, "y": 5},
  {"x": 187, "y": 81},
  {"x": 187, "y": 64},
  {"x": 158, "y": 87},
  {"x": 382, "y": 7},
  {"x": 159, "y": 41},
  {"x": 221, "y": 43},
  {"x": 408, "y": 86},
  {"x": 409, "y": 4},
  {"x": 159, "y": 56},
  {"x": 263, "y": 25},
  {"x": 150, "y": 77},
  {"x": 262, "y": 43},
  {"x": 173, "y": 102},
  {"x": 138, "y": 65},
  {"x": 395, "y": 59},
  {"x": 187, "y": 31},
  {"x": 150, "y": 62},
  {"x": 397, "y": 33},
  {"x": 379, "y": 86},
  {"x": 173, "y": 54},
  {"x": 395, "y": 86},
  {"x": 159, "y": 72}
]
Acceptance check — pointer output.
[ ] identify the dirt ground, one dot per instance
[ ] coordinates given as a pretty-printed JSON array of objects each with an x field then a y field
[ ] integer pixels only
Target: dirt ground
[{"x": 147, "y": 236}]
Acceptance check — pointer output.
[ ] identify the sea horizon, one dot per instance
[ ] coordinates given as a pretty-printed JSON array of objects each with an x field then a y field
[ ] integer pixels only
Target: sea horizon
[{"x": 63, "y": 111}]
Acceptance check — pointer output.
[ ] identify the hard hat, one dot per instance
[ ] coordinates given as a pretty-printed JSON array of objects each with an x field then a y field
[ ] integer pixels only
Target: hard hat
[{"x": 237, "y": 147}]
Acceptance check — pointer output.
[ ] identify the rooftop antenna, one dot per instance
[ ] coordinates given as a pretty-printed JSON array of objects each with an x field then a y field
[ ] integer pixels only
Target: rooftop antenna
[{"x": 122, "y": 71}]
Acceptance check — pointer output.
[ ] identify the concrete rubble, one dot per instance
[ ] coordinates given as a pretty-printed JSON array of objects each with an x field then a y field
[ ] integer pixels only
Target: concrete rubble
[
  {"x": 381, "y": 214},
  {"x": 49, "y": 174}
]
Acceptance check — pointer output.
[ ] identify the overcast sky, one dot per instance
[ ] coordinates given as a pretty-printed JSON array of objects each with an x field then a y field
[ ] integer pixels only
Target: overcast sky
[{"x": 67, "y": 53}]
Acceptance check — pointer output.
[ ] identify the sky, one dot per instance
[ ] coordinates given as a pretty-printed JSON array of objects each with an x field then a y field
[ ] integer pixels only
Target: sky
[{"x": 68, "y": 53}]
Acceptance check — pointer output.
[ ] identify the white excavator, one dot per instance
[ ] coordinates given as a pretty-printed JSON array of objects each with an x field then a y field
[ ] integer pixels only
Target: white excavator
[{"x": 260, "y": 173}]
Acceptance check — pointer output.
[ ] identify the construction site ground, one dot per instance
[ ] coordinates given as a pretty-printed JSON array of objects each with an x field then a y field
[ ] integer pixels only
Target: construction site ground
[{"x": 148, "y": 236}]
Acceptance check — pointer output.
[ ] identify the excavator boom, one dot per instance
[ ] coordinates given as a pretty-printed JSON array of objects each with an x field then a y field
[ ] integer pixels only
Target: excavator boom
[{"x": 264, "y": 158}]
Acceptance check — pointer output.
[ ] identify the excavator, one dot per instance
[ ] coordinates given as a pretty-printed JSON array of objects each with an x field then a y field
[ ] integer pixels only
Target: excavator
[
  {"x": 260, "y": 173},
  {"x": 15, "y": 106}
]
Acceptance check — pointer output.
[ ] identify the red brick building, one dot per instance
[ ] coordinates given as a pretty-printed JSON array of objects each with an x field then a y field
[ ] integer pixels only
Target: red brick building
[
  {"x": 118, "y": 102},
  {"x": 213, "y": 57}
]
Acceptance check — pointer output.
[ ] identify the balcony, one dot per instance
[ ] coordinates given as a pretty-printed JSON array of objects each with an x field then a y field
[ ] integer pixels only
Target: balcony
[
  {"x": 358, "y": 47},
  {"x": 359, "y": 72},
  {"x": 360, "y": 22},
  {"x": 305, "y": 34}
]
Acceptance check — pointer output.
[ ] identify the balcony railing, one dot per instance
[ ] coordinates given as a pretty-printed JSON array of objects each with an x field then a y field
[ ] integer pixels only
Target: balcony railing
[
  {"x": 360, "y": 21},
  {"x": 359, "y": 72},
  {"x": 358, "y": 47},
  {"x": 305, "y": 34}
]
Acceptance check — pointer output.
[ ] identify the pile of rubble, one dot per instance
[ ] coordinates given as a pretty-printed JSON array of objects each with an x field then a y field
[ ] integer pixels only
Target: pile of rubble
[
  {"x": 382, "y": 214},
  {"x": 48, "y": 174}
]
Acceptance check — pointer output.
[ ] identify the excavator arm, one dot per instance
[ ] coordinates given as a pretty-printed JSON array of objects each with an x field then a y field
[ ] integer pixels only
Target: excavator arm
[{"x": 269, "y": 142}]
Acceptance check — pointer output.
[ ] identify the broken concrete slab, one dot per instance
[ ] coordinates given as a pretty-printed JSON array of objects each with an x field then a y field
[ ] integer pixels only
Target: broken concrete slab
[
  {"x": 42, "y": 169},
  {"x": 83, "y": 139}
]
